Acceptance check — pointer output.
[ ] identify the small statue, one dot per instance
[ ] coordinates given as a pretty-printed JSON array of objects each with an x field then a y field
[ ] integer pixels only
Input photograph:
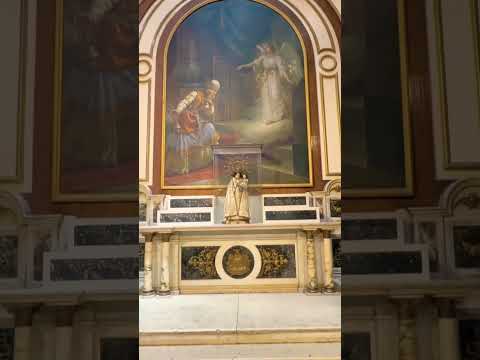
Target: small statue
[{"x": 236, "y": 200}]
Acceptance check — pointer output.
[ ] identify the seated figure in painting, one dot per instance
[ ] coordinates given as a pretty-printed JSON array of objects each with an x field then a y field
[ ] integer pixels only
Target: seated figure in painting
[{"x": 193, "y": 118}]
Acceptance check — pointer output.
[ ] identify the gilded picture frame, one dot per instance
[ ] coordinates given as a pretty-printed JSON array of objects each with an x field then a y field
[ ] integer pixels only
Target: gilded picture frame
[
  {"x": 57, "y": 193},
  {"x": 408, "y": 188},
  {"x": 474, "y": 8},
  {"x": 164, "y": 53},
  {"x": 22, "y": 68}
]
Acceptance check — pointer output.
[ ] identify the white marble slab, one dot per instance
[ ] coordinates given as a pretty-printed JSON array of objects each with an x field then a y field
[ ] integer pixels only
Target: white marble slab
[
  {"x": 237, "y": 312},
  {"x": 288, "y": 311},
  {"x": 188, "y": 313}
]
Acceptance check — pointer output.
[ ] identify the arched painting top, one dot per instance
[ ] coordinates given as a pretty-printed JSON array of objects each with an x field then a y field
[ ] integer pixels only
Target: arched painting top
[
  {"x": 246, "y": 61},
  {"x": 316, "y": 24},
  {"x": 322, "y": 18}
]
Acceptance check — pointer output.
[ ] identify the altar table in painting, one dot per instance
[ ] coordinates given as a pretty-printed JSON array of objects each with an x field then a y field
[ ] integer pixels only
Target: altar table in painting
[{"x": 239, "y": 157}]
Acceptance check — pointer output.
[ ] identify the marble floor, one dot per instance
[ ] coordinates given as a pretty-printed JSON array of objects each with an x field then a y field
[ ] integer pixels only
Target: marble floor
[{"x": 238, "y": 314}]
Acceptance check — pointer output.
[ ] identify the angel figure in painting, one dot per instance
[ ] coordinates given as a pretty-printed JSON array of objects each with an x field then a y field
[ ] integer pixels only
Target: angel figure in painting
[
  {"x": 276, "y": 72},
  {"x": 236, "y": 200}
]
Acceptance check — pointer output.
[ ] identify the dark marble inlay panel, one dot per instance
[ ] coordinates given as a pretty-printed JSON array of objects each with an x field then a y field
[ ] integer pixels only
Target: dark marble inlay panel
[
  {"x": 114, "y": 234},
  {"x": 467, "y": 246},
  {"x": 470, "y": 339},
  {"x": 7, "y": 344},
  {"x": 369, "y": 229},
  {"x": 119, "y": 349},
  {"x": 185, "y": 217},
  {"x": 291, "y": 215},
  {"x": 335, "y": 207},
  {"x": 238, "y": 262},
  {"x": 198, "y": 263},
  {"x": 337, "y": 253},
  {"x": 94, "y": 269},
  {"x": 278, "y": 261},
  {"x": 284, "y": 200},
  {"x": 191, "y": 203},
  {"x": 141, "y": 256},
  {"x": 400, "y": 262},
  {"x": 8, "y": 256},
  {"x": 356, "y": 346},
  {"x": 142, "y": 212}
]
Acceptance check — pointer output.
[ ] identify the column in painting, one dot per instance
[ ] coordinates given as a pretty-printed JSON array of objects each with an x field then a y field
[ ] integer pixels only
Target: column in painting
[
  {"x": 147, "y": 265},
  {"x": 312, "y": 280},
  {"x": 23, "y": 331},
  {"x": 328, "y": 284},
  {"x": 448, "y": 330}
]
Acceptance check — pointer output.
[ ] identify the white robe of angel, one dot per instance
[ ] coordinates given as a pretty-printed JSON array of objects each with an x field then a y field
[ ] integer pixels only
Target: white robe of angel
[{"x": 272, "y": 88}]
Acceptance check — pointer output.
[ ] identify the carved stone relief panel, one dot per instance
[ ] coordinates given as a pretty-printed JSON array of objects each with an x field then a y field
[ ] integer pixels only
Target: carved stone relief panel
[{"x": 94, "y": 269}]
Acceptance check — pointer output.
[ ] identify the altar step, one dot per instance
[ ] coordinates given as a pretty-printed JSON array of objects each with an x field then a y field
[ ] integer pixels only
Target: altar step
[
  {"x": 312, "y": 351},
  {"x": 240, "y": 326}
]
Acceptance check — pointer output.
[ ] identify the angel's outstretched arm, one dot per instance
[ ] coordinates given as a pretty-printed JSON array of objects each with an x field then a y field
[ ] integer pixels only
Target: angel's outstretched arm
[{"x": 250, "y": 64}]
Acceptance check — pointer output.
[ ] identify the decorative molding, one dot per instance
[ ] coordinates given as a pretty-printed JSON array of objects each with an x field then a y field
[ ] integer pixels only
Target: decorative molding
[
  {"x": 21, "y": 96},
  {"x": 241, "y": 337}
]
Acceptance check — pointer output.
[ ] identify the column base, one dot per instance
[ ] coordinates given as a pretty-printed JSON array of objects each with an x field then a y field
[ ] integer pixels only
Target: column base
[
  {"x": 312, "y": 290},
  {"x": 163, "y": 292},
  {"x": 147, "y": 293},
  {"x": 330, "y": 289}
]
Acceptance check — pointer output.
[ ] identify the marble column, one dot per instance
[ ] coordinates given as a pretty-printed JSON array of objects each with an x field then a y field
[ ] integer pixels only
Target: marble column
[
  {"x": 161, "y": 245},
  {"x": 85, "y": 341},
  {"x": 23, "y": 331},
  {"x": 328, "y": 284},
  {"x": 407, "y": 329},
  {"x": 147, "y": 266},
  {"x": 63, "y": 332},
  {"x": 44, "y": 323},
  {"x": 312, "y": 283},
  {"x": 385, "y": 331},
  {"x": 164, "y": 288},
  {"x": 448, "y": 342}
]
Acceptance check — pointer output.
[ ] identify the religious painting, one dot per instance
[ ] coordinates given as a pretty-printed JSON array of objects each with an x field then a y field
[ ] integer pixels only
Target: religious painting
[
  {"x": 96, "y": 100},
  {"x": 235, "y": 99},
  {"x": 376, "y": 148}
]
